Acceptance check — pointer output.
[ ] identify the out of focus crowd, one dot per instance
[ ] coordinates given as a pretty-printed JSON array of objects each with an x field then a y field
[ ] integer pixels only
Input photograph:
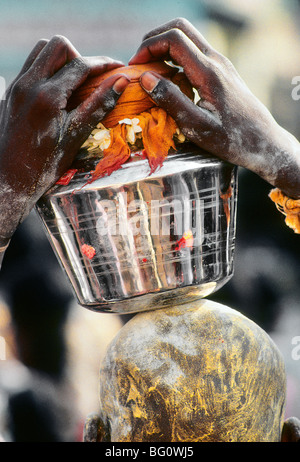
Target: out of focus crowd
[{"x": 50, "y": 347}]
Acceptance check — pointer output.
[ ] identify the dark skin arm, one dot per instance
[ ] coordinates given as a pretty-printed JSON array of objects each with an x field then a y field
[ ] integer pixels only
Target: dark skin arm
[
  {"x": 228, "y": 121},
  {"x": 39, "y": 138}
]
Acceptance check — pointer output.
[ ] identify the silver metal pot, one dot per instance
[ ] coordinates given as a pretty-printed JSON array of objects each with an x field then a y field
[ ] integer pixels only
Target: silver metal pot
[{"x": 133, "y": 241}]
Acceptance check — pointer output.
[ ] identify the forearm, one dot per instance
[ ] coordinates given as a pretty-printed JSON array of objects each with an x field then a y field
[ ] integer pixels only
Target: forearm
[
  {"x": 277, "y": 160},
  {"x": 289, "y": 173},
  {"x": 286, "y": 165}
]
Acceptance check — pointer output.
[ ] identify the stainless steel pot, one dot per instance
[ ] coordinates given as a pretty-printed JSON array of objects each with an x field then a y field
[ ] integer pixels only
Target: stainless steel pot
[{"x": 133, "y": 241}]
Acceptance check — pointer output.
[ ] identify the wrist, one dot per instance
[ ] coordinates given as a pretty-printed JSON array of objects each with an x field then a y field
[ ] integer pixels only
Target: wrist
[
  {"x": 287, "y": 164},
  {"x": 13, "y": 207},
  {"x": 278, "y": 161}
]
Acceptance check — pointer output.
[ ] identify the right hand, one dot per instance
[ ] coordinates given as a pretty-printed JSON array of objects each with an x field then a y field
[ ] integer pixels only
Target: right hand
[{"x": 228, "y": 121}]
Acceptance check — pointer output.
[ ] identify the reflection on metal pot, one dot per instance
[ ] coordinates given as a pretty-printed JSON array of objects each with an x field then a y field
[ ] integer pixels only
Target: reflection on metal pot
[{"x": 132, "y": 241}]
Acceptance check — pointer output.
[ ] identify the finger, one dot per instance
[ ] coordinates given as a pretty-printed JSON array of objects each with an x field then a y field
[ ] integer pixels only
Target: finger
[
  {"x": 54, "y": 55},
  {"x": 100, "y": 64},
  {"x": 197, "y": 123},
  {"x": 101, "y": 101},
  {"x": 188, "y": 29},
  {"x": 74, "y": 73},
  {"x": 33, "y": 55},
  {"x": 82, "y": 120},
  {"x": 30, "y": 59},
  {"x": 175, "y": 45}
]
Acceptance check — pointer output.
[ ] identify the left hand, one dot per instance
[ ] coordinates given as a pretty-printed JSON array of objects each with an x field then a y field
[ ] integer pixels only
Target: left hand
[{"x": 39, "y": 138}]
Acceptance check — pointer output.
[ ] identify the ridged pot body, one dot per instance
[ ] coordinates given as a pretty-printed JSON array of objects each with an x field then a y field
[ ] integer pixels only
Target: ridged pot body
[{"x": 155, "y": 239}]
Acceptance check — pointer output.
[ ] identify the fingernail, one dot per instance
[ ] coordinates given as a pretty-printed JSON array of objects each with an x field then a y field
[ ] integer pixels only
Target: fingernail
[
  {"x": 149, "y": 81},
  {"x": 120, "y": 84}
]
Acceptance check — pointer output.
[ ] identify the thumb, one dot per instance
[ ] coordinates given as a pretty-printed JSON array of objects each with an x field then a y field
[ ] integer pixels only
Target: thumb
[
  {"x": 193, "y": 120},
  {"x": 163, "y": 92},
  {"x": 94, "y": 108}
]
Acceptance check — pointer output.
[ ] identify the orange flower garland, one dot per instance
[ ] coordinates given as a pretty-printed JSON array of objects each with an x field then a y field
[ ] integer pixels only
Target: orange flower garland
[
  {"x": 157, "y": 127},
  {"x": 289, "y": 207}
]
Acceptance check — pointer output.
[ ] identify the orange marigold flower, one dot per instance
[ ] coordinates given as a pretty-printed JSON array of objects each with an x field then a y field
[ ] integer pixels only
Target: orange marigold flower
[{"x": 88, "y": 251}]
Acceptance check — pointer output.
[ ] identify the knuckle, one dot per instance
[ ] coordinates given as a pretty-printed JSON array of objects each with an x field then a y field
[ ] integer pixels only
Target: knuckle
[
  {"x": 60, "y": 44},
  {"x": 20, "y": 87},
  {"x": 59, "y": 40},
  {"x": 39, "y": 95},
  {"x": 80, "y": 63},
  {"x": 181, "y": 23},
  {"x": 44, "y": 95},
  {"x": 221, "y": 66},
  {"x": 109, "y": 101},
  {"x": 226, "y": 62},
  {"x": 176, "y": 35},
  {"x": 42, "y": 42}
]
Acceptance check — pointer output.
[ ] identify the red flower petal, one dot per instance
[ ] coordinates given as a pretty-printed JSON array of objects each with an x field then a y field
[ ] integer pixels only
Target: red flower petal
[{"x": 88, "y": 251}]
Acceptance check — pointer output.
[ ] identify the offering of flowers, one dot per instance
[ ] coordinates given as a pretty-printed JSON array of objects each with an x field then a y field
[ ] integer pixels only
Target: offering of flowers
[{"x": 135, "y": 124}]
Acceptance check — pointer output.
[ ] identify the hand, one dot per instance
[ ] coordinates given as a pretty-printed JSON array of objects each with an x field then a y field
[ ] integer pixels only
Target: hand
[
  {"x": 228, "y": 121},
  {"x": 39, "y": 138},
  {"x": 291, "y": 430}
]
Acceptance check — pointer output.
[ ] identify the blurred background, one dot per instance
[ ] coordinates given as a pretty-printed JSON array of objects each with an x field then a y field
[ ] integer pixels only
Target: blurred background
[{"x": 50, "y": 347}]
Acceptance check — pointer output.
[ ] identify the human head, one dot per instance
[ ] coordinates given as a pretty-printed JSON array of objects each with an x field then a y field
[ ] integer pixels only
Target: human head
[{"x": 199, "y": 372}]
